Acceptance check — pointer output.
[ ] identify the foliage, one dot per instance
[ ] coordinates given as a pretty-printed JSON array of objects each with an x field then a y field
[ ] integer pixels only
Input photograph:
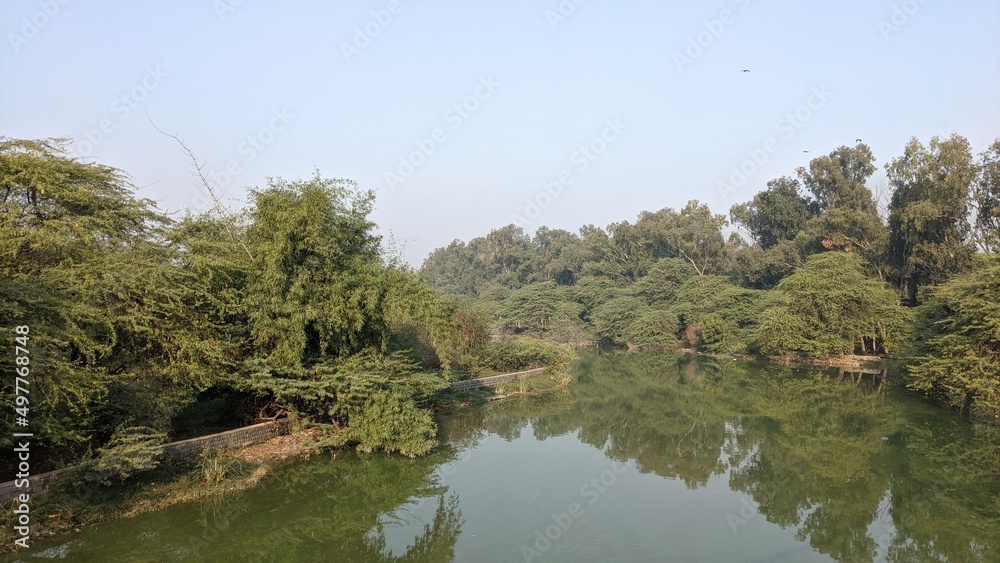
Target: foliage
[
  {"x": 693, "y": 234},
  {"x": 847, "y": 216},
  {"x": 391, "y": 422},
  {"x": 316, "y": 289},
  {"x": 830, "y": 306},
  {"x": 521, "y": 353},
  {"x": 928, "y": 214},
  {"x": 130, "y": 450},
  {"x": 957, "y": 350},
  {"x": 110, "y": 291},
  {"x": 776, "y": 214},
  {"x": 986, "y": 200}
]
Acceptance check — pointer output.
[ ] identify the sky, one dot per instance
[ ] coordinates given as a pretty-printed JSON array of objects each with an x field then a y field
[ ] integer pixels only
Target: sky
[{"x": 467, "y": 116}]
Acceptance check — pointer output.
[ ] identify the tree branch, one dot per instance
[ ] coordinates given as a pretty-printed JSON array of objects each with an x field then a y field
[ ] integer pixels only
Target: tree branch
[{"x": 217, "y": 203}]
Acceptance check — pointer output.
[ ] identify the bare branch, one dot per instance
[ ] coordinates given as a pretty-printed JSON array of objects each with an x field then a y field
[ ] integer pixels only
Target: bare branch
[{"x": 218, "y": 208}]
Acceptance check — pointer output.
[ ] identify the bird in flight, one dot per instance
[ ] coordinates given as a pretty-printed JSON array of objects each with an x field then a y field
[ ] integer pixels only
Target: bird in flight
[
  {"x": 857, "y": 140},
  {"x": 745, "y": 70},
  {"x": 805, "y": 151}
]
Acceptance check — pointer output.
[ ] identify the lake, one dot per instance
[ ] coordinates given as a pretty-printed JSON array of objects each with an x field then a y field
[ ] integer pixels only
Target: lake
[{"x": 645, "y": 457}]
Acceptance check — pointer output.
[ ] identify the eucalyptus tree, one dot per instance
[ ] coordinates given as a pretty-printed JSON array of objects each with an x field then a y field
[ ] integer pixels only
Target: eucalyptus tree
[
  {"x": 986, "y": 200},
  {"x": 847, "y": 214},
  {"x": 693, "y": 234},
  {"x": 928, "y": 214}
]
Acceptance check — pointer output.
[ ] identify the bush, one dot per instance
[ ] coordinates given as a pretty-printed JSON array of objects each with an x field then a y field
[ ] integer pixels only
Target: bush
[
  {"x": 391, "y": 422},
  {"x": 131, "y": 450},
  {"x": 524, "y": 353},
  {"x": 957, "y": 351}
]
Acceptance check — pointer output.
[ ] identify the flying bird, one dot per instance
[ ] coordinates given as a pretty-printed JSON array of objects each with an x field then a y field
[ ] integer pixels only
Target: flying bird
[
  {"x": 745, "y": 70},
  {"x": 857, "y": 140},
  {"x": 805, "y": 151}
]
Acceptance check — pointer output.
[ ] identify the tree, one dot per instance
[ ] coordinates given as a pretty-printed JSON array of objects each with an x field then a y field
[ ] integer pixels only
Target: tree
[
  {"x": 453, "y": 269},
  {"x": 830, "y": 306},
  {"x": 929, "y": 230},
  {"x": 616, "y": 253},
  {"x": 847, "y": 213},
  {"x": 556, "y": 256},
  {"x": 693, "y": 234},
  {"x": 778, "y": 213},
  {"x": 316, "y": 290},
  {"x": 986, "y": 200},
  {"x": 504, "y": 253},
  {"x": 127, "y": 321},
  {"x": 957, "y": 349}
]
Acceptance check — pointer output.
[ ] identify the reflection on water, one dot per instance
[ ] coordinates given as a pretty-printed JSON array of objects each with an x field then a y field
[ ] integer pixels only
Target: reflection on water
[{"x": 645, "y": 458}]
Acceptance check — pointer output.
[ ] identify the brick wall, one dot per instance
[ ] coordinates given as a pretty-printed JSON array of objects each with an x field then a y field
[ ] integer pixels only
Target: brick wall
[
  {"x": 230, "y": 439},
  {"x": 496, "y": 379}
]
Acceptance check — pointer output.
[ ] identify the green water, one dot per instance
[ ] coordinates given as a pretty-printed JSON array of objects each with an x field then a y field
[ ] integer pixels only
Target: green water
[{"x": 644, "y": 458}]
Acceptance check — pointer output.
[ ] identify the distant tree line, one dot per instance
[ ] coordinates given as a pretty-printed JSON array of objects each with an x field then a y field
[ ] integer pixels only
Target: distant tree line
[{"x": 819, "y": 265}]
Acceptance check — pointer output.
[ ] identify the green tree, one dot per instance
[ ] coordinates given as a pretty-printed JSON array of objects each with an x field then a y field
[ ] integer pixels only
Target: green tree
[
  {"x": 831, "y": 306},
  {"x": 778, "y": 213},
  {"x": 317, "y": 287},
  {"x": 928, "y": 213},
  {"x": 986, "y": 200},
  {"x": 957, "y": 349},
  {"x": 848, "y": 216},
  {"x": 125, "y": 322},
  {"x": 693, "y": 234}
]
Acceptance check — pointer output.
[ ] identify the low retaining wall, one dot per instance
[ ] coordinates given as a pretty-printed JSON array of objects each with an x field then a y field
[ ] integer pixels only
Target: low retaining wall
[
  {"x": 229, "y": 439},
  {"x": 496, "y": 379}
]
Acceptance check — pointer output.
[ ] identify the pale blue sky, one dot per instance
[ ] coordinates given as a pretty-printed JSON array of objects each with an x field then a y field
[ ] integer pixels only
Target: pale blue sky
[{"x": 217, "y": 72}]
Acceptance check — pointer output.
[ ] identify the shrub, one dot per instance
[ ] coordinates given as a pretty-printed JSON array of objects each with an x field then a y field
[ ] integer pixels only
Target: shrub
[
  {"x": 391, "y": 422},
  {"x": 131, "y": 450}
]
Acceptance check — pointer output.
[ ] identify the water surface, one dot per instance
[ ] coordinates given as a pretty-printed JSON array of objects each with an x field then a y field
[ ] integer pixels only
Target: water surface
[{"x": 644, "y": 458}]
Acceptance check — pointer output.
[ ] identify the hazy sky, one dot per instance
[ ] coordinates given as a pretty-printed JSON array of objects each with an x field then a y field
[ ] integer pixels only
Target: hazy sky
[{"x": 467, "y": 116}]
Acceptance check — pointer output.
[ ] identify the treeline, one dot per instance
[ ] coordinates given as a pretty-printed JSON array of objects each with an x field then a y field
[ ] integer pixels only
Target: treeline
[
  {"x": 290, "y": 305},
  {"x": 818, "y": 265}
]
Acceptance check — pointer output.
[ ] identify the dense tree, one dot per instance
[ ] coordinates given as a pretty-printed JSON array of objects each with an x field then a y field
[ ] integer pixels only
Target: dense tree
[
  {"x": 986, "y": 200},
  {"x": 505, "y": 253},
  {"x": 558, "y": 256},
  {"x": 316, "y": 289},
  {"x": 830, "y": 306},
  {"x": 453, "y": 269},
  {"x": 928, "y": 222},
  {"x": 125, "y": 327},
  {"x": 776, "y": 214},
  {"x": 847, "y": 213},
  {"x": 957, "y": 350},
  {"x": 693, "y": 234}
]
